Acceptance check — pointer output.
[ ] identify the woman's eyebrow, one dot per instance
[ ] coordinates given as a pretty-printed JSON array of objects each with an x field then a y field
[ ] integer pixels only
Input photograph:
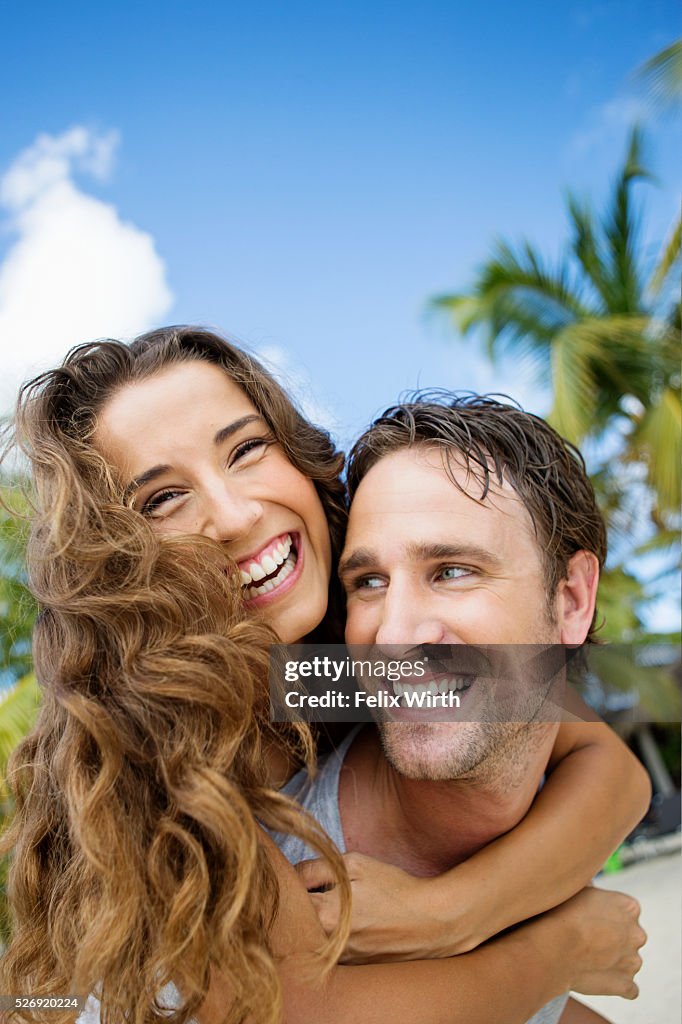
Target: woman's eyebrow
[
  {"x": 232, "y": 428},
  {"x": 144, "y": 478},
  {"x": 221, "y": 435}
]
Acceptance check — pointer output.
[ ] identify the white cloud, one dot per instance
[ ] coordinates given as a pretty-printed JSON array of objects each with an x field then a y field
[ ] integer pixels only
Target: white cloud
[{"x": 76, "y": 270}]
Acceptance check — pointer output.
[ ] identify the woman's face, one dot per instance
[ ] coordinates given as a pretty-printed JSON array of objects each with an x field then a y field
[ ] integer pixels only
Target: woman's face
[{"x": 197, "y": 457}]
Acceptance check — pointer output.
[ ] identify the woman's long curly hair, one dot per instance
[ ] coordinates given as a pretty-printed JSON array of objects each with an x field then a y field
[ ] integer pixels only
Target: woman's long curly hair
[{"x": 137, "y": 850}]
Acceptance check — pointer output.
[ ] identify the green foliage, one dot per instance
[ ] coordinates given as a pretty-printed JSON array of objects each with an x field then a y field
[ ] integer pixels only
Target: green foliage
[
  {"x": 599, "y": 330},
  {"x": 19, "y": 701},
  {"x": 657, "y": 689},
  {"x": 17, "y": 607},
  {"x": 18, "y": 710}
]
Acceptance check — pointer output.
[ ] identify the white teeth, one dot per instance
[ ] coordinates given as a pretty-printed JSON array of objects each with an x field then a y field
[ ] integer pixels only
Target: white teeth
[
  {"x": 268, "y": 564},
  {"x": 285, "y": 570},
  {"x": 447, "y": 685}
]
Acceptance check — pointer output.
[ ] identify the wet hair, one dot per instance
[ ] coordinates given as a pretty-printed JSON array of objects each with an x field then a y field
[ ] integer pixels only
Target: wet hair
[
  {"x": 138, "y": 853},
  {"x": 497, "y": 441}
]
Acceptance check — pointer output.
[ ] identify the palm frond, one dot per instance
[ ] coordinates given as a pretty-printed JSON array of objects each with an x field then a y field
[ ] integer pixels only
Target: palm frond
[
  {"x": 618, "y": 600},
  {"x": 669, "y": 256},
  {"x": 621, "y": 233},
  {"x": 573, "y": 383},
  {"x": 667, "y": 541},
  {"x": 662, "y": 76},
  {"x": 657, "y": 440},
  {"x": 587, "y": 249}
]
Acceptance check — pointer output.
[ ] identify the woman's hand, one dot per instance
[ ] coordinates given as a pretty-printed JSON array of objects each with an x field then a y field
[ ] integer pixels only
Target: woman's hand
[
  {"x": 603, "y": 937},
  {"x": 396, "y": 916}
]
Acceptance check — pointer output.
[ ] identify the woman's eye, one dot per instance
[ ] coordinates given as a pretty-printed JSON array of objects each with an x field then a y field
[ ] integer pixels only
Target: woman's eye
[
  {"x": 156, "y": 502},
  {"x": 252, "y": 445}
]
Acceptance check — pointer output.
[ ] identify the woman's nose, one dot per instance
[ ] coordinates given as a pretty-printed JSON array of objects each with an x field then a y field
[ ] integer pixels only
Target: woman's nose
[{"x": 230, "y": 515}]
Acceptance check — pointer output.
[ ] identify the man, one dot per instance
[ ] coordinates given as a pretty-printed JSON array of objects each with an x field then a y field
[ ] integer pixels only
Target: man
[{"x": 471, "y": 522}]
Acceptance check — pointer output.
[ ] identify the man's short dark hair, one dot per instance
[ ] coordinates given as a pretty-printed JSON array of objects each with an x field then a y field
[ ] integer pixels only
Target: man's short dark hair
[{"x": 498, "y": 441}]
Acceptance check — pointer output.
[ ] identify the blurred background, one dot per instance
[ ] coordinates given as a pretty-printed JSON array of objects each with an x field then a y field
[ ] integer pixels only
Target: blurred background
[{"x": 374, "y": 197}]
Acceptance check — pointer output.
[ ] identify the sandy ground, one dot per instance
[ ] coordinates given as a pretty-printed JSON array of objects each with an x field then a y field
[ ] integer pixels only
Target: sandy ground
[{"x": 657, "y": 884}]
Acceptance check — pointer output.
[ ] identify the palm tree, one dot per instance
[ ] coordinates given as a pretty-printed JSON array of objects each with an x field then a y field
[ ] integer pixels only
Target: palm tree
[
  {"x": 598, "y": 330},
  {"x": 601, "y": 330}
]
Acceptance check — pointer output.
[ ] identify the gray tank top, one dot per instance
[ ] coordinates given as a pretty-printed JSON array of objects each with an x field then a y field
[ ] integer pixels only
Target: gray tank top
[{"x": 320, "y": 797}]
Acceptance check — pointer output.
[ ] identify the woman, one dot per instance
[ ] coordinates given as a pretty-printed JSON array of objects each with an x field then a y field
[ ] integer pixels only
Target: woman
[{"x": 139, "y": 790}]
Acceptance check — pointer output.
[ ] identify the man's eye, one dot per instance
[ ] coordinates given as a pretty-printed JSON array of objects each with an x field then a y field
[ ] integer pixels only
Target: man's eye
[
  {"x": 157, "y": 501},
  {"x": 453, "y": 572},
  {"x": 252, "y": 445},
  {"x": 367, "y": 583}
]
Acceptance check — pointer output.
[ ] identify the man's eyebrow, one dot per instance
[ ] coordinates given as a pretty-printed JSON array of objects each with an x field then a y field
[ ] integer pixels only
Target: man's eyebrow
[
  {"x": 421, "y": 551},
  {"x": 425, "y": 551},
  {"x": 361, "y": 558},
  {"x": 220, "y": 436}
]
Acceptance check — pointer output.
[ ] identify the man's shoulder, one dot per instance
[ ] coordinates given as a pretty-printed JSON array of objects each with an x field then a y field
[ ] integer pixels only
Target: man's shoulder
[{"x": 319, "y": 796}]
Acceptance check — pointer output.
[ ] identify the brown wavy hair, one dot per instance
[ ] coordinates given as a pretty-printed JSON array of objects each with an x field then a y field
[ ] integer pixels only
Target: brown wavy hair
[
  {"x": 496, "y": 441},
  {"x": 138, "y": 856}
]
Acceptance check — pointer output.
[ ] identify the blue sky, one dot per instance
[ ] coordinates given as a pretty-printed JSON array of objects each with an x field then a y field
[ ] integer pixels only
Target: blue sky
[
  {"x": 309, "y": 174},
  {"x": 305, "y": 176}
]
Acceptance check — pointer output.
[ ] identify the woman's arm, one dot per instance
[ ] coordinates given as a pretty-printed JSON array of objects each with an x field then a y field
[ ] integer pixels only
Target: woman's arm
[
  {"x": 589, "y": 945},
  {"x": 595, "y": 794}
]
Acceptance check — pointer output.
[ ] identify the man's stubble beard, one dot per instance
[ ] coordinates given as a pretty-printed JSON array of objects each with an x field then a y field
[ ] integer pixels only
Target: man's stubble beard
[{"x": 483, "y": 751}]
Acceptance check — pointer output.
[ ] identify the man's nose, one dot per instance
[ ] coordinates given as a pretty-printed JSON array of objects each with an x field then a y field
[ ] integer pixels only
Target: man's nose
[
  {"x": 229, "y": 515},
  {"x": 407, "y": 622}
]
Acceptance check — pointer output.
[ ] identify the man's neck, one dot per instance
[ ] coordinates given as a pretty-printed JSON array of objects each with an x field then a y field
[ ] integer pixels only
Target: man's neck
[{"x": 427, "y": 827}]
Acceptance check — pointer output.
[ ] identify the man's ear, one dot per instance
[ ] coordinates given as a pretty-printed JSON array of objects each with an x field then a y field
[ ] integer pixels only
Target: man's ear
[{"x": 576, "y": 597}]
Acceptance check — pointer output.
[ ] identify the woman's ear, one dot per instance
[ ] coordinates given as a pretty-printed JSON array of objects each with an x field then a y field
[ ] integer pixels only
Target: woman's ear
[{"x": 576, "y": 597}]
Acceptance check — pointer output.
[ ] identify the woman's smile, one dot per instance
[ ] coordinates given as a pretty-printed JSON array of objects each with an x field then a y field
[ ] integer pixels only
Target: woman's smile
[{"x": 275, "y": 568}]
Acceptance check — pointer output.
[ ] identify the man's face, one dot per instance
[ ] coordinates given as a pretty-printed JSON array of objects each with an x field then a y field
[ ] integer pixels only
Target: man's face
[{"x": 425, "y": 564}]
